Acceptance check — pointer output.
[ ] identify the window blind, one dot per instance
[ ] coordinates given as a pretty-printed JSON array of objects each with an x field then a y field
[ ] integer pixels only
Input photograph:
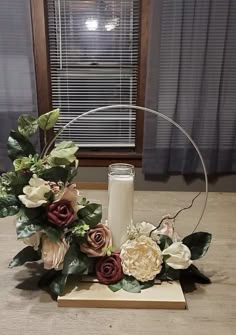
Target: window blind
[{"x": 93, "y": 47}]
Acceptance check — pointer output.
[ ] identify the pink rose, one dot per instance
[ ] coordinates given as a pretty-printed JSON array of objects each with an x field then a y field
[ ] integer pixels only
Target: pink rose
[{"x": 98, "y": 240}]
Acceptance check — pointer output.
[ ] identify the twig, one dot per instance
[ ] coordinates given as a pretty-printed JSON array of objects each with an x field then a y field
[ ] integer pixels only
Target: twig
[{"x": 175, "y": 216}]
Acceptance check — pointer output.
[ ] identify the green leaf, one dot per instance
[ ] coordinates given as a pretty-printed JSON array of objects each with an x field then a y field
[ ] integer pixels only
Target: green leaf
[
  {"x": 57, "y": 286},
  {"x": 19, "y": 146},
  {"x": 198, "y": 243},
  {"x": 48, "y": 120},
  {"x": 27, "y": 125},
  {"x": 168, "y": 273},
  {"x": 26, "y": 227},
  {"x": 75, "y": 262},
  {"x": 131, "y": 285},
  {"x": 165, "y": 242},
  {"x": 56, "y": 174},
  {"x": 193, "y": 272},
  {"x": 53, "y": 234},
  {"x": 27, "y": 254},
  {"x": 63, "y": 153},
  {"x": 72, "y": 173},
  {"x": 91, "y": 214},
  {"x": 22, "y": 163},
  {"x": 19, "y": 181},
  {"x": 146, "y": 284},
  {"x": 116, "y": 287},
  {"x": 9, "y": 205}
]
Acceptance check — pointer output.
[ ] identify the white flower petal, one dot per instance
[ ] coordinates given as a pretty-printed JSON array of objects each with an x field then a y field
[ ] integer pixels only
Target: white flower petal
[
  {"x": 180, "y": 256},
  {"x": 34, "y": 193}
]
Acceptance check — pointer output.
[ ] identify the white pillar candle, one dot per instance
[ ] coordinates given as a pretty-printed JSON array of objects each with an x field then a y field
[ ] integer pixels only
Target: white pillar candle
[{"x": 120, "y": 208}]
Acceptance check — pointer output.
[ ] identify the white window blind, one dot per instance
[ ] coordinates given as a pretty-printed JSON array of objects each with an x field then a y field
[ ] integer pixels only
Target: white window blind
[{"x": 93, "y": 48}]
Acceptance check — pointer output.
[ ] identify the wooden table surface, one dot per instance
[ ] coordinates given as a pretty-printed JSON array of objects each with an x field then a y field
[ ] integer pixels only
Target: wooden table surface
[{"x": 24, "y": 309}]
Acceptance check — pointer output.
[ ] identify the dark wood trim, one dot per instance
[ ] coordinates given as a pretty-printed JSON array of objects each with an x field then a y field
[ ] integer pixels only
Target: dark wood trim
[
  {"x": 90, "y": 158},
  {"x": 84, "y": 185},
  {"x": 143, "y": 52},
  {"x": 41, "y": 57}
]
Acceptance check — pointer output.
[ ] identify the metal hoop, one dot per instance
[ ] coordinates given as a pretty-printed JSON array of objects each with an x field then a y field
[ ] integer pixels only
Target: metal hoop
[{"x": 145, "y": 109}]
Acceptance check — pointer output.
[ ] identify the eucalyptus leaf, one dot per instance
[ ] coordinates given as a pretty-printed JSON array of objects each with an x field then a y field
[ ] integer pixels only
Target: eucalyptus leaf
[
  {"x": 27, "y": 254},
  {"x": 91, "y": 214},
  {"x": 9, "y": 205},
  {"x": 116, "y": 287},
  {"x": 19, "y": 146},
  {"x": 27, "y": 125},
  {"x": 48, "y": 120},
  {"x": 57, "y": 286},
  {"x": 75, "y": 262},
  {"x": 26, "y": 227},
  {"x": 131, "y": 285},
  {"x": 198, "y": 243}
]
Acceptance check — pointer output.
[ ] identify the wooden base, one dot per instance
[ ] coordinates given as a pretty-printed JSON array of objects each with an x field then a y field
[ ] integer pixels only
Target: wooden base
[{"x": 92, "y": 294}]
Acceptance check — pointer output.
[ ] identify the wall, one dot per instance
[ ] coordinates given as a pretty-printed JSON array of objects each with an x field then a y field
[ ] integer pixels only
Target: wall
[{"x": 174, "y": 183}]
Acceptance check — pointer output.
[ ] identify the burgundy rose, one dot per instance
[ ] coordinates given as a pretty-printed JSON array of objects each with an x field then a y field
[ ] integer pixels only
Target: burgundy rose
[
  {"x": 61, "y": 213},
  {"x": 98, "y": 240},
  {"x": 108, "y": 269}
]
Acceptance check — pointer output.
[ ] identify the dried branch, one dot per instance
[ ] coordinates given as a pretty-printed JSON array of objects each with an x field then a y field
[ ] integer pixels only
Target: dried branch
[{"x": 175, "y": 216}]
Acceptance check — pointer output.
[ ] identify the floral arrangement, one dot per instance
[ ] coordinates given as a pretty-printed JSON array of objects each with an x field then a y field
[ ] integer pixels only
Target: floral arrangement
[{"x": 64, "y": 231}]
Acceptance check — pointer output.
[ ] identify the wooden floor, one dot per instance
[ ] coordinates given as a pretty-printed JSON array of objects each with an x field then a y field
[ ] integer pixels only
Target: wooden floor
[{"x": 24, "y": 309}]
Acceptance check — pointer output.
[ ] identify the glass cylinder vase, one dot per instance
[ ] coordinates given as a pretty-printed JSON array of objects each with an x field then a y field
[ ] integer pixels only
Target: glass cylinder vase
[{"x": 121, "y": 198}]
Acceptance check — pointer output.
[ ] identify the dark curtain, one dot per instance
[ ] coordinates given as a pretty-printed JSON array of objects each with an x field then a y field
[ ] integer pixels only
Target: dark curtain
[
  {"x": 17, "y": 78},
  {"x": 191, "y": 79}
]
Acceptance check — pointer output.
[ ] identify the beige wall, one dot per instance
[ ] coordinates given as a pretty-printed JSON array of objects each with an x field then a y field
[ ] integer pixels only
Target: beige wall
[{"x": 174, "y": 183}]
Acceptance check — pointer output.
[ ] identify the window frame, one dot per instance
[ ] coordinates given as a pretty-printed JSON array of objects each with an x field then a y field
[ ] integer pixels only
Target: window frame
[{"x": 43, "y": 85}]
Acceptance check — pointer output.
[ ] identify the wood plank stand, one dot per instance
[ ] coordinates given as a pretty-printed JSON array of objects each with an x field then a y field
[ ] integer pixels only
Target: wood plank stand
[{"x": 92, "y": 294}]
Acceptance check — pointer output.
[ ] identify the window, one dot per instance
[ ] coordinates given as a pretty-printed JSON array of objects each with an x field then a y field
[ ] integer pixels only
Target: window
[{"x": 94, "y": 56}]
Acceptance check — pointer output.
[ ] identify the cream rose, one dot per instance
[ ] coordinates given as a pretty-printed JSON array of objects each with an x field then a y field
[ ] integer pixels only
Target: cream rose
[
  {"x": 141, "y": 258},
  {"x": 179, "y": 256},
  {"x": 33, "y": 240},
  {"x": 53, "y": 253},
  {"x": 34, "y": 193}
]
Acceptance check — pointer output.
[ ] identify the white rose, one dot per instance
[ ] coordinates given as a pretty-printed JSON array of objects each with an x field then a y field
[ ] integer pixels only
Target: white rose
[
  {"x": 34, "y": 193},
  {"x": 141, "y": 258},
  {"x": 179, "y": 256},
  {"x": 33, "y": 240},
  {"x": 53, "y": 253}
]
